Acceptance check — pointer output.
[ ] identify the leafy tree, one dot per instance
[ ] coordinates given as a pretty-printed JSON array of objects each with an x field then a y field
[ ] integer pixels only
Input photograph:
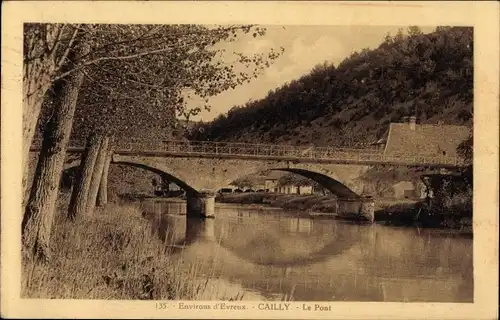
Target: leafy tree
[
  {"x": 388, "y": 40},
  {"x": 399, "y": 36},
  {"x": 414, "y": 31},
  {"x": 165, "y": 79},
  {"x": 156, "y": 64},
  {"x": 242, "y": 183},
  {"x": 296, "y": 180}
]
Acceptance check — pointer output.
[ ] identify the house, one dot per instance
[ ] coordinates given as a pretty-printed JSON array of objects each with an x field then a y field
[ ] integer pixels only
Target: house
[
  {"x": 410, "y": 138},
  {"x": 271, "y": 181},
  {"x": 294, "y": 189},
  {"x": 409, "y": 189},
  {"x": 271, "y": 184},
  {"x": 167, "y": 189},
  {"x": 424, "y": 139}
]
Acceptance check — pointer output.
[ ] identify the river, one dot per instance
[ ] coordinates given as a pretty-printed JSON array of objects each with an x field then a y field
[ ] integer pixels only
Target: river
[{"x": 271, "y": 254}]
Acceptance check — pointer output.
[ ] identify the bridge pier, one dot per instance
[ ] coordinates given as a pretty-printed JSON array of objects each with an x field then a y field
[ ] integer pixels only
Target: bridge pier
[
  {"x": 201, "y": 205},
  {"x": 368, "y": 209}
]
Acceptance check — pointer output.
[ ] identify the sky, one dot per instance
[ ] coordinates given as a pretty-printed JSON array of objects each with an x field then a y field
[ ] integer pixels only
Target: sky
[{"x": 304, "y": 48}]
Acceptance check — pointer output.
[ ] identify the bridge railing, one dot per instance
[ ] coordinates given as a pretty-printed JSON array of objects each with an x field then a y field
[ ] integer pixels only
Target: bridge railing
[
  {"x": 235, "y": 148},
  {"x": 294, "y": 152},
  {"x": 281, "y": 151}
]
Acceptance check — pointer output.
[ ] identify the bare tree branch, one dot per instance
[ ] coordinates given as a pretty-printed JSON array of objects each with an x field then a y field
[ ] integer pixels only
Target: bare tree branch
[
  {"x": 45, "y": 34},
  {"x": 68, "y": 47},
  {"x": 57, "y": 41}
]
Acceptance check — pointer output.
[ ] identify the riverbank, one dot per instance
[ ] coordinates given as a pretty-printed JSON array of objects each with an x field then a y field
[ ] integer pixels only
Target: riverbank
[
  {"x": 403, "y": 212},
  {"x": 112, "y": 254}
]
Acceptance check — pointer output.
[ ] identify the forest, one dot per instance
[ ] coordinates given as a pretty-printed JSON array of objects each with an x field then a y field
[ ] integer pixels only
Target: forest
[{"x": 353, "y": 103}]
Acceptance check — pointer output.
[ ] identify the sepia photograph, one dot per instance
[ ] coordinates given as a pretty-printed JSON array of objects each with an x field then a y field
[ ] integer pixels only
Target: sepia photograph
[{"x": 201, "y": 166}]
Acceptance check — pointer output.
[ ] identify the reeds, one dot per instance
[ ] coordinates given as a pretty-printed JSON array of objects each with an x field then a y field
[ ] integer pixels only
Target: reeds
[{"x": 110, "y": 255}]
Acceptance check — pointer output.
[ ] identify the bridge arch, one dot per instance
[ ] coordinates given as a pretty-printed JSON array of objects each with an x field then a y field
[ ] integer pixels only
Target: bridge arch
[
  {"x": 202, "y": 177},
  {"x": 333, "y": 185},
  {"x": 324, "y": 175},
  {"x": 208, "y": 175},
  {"x": 152, "y": 167}
]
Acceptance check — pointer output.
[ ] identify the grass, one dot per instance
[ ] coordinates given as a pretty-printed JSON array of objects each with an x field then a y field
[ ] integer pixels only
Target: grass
[{"x": 112, "y": 254}]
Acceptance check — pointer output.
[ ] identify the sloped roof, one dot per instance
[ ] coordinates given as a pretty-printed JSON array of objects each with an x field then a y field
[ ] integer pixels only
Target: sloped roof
[
  {"x": 382, "y": 139},
  {"x": 425, "y": 139}
]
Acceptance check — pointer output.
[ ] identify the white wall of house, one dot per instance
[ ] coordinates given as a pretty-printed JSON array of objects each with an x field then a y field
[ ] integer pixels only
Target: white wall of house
[
  {"x": 272, "y": 186},
  {"x": 259, "y": 187},
  {"x": 409, "y": 189}
]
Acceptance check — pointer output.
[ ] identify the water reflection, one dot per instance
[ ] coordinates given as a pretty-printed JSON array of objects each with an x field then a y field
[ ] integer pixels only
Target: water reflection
[
  {"x": 301, "y": 225},
  {"x": 199, "y": 230},
  {"x": 274, "y": 253}
]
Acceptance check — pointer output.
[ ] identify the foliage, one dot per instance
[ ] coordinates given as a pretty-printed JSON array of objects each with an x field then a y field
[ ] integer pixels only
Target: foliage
[
  {"x": 137, "y": 76},
  {"x": 292, "y": 179},
  {"x": 130, "y": 71},
  {"x": 353, "y": 103},
  {"x": 242, "y": 183}
]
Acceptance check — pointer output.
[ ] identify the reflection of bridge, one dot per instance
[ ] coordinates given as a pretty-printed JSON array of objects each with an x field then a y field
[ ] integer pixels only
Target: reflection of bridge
[
  {"x": 348, "y": 261},
  {"x": 201, "y": 168}
]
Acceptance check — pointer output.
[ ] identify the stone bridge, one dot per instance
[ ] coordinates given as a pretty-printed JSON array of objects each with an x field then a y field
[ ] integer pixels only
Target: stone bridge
[
  {"x": 201, "y": 178},
  {"x": 207, "y": 175},
  {"x": 202, "y": 168}
]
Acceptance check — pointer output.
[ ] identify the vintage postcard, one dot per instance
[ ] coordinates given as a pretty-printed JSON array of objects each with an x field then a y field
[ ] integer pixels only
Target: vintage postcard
[{"x": 310, "y": 160}]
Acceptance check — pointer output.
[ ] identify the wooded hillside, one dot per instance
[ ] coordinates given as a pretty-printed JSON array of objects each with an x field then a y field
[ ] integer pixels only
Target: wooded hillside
[{"x": 430, "y": 75}]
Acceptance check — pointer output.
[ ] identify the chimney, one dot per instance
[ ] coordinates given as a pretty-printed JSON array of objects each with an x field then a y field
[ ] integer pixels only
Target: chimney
[{"x": 412, "y": 122}]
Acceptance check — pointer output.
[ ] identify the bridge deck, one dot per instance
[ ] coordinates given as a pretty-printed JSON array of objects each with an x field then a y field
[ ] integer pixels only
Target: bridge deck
[{"x": 279, "y": 152}]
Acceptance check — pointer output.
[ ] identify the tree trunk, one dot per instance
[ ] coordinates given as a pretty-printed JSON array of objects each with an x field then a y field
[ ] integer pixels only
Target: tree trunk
[
  {"x": 80, "y": 196},
  {"x": 36, "y": 82},
  {"x": 102, "y": 196},
  {"x": 38, "y": 67},
  {"x": 97, "y": 175},
  {"x": 39, "y": 213}
]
